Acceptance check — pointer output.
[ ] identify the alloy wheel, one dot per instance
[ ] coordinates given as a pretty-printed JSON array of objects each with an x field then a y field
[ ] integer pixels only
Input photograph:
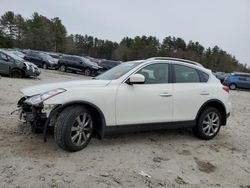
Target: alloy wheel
[
  {"x": 81, "y": 129},
  {"x": 211, "y": 124},
  {"x": 62, "y": 68}
]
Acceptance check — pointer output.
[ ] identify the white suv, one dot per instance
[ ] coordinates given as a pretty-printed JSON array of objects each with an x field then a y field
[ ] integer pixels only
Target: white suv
[{"x": 152, "y": 94}]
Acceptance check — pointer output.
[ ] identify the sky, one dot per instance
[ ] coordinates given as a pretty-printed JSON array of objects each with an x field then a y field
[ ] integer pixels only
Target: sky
[{"x": 225, "y": 23}]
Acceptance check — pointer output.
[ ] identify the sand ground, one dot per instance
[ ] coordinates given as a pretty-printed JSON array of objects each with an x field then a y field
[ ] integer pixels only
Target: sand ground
[{"x": 169, "y": 158}]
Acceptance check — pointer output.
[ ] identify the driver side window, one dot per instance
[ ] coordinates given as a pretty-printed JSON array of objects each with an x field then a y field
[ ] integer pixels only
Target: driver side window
[{"x": 155, "y": 73}]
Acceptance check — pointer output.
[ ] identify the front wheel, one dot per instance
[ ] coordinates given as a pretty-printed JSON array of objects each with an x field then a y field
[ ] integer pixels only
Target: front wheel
[
  {"x": 62, "y": 68},
  {"x": 74, "y": 128},
  {"x": 208, "y": 124},
  {"x": 16, "y": 74},
  {"x": 87, "y": 72}
]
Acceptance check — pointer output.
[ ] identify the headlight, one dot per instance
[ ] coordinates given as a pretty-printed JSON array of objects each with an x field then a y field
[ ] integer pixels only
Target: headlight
[{"x": 37, "y": 99}]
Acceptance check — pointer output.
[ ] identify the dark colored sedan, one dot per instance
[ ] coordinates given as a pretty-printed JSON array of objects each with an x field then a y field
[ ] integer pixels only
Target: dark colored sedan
[
  {"x": 41, "y": 60},
  {"x": 78, "y": 64},
  {"x": 108, "y": 64},
  {"x": 14, "y": 66}
]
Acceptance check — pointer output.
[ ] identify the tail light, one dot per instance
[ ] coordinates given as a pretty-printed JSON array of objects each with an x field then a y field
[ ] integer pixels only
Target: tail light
[{"x": 225, "y": 88}]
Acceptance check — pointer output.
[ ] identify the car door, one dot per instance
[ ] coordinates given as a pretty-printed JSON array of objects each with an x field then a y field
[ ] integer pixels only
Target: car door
[
  {"x": 34, "y": 59},
  {"x": 75, "y": 63},
  {"x": 189, "y": 91},
  {"x": 4, "y": 64},
  {"x": 242, "y": 83},
  {"x": 248, "y": 82},
  {"x": 150, "y": 102}
]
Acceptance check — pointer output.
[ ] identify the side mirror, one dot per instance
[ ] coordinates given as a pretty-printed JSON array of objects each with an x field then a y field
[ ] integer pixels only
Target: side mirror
[{"x": 136, "y": 79}]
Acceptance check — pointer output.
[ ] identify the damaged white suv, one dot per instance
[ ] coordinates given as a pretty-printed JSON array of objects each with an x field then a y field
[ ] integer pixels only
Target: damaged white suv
[{"x": 152, "y": 94}]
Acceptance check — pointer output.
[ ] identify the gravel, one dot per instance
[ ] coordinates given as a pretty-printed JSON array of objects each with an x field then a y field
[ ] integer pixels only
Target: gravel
[{"x": 173, "y": 158}]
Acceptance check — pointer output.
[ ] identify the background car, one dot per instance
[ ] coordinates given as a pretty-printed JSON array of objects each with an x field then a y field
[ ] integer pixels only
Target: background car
[
  {"x": 238, "y": 80},
  {"x": 14, "y": 66},
  {"x": 78, "y": 64},
  {"x": 108, "y": 64},
  {"x": 221, "y": 76},
  {"x": 18, "y": 53},
  {"x": 41, "y": 60}
]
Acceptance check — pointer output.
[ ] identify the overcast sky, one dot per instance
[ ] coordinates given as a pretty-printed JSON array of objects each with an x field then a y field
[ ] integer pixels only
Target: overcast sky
[{"x": 225, "y": 23}]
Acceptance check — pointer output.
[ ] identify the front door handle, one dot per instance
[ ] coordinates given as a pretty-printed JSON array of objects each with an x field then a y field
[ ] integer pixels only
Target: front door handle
[{"x": 165, "y": 95}]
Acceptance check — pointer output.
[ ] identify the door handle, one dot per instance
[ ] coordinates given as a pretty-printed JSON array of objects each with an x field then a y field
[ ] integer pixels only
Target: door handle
[
  {"x": 165, "y": 95},
  {"x": 204, "y": 93}
]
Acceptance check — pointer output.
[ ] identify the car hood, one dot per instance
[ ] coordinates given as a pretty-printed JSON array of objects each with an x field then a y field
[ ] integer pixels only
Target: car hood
[{"x": 34, "y": 90}]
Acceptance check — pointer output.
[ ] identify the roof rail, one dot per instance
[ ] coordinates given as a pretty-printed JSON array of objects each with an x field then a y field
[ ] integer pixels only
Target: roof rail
[
  {"x": 176, "y": 59},
  {"x": 241, "y": 73}
]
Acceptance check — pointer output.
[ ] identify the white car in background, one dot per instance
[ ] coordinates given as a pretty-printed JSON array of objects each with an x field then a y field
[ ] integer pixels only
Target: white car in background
[{"x": 152, "y": 94}]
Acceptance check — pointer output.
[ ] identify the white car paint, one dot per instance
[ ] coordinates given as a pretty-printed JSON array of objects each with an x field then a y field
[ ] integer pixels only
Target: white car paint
[{"x": 124, "y": 104}]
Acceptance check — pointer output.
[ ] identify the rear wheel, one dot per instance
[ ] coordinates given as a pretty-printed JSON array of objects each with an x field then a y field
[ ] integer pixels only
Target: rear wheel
[
  {"x": 87, "y": 72},
  {"x": 62, "y": 68},
  {"x": 16, "y": 74},
  {"x": 74, "y": 128},
  {"x": 208, "y": 124},
  {"x": 232, "y": 86}
]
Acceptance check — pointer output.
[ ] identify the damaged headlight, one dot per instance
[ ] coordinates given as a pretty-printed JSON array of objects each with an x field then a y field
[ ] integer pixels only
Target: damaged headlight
[{"x": 37, "y": 99}]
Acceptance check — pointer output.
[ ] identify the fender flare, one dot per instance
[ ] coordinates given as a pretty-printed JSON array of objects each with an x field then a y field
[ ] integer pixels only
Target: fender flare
[
  {"x": 100, "y": 129},
  {"x": 224, "y": 118}
]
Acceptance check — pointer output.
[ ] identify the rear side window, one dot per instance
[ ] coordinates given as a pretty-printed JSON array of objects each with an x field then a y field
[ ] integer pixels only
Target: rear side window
[{"x": 184, "y": 74}]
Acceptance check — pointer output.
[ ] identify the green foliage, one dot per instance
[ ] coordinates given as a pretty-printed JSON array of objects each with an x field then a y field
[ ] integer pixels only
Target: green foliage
[{"x": 41, "y": 33}]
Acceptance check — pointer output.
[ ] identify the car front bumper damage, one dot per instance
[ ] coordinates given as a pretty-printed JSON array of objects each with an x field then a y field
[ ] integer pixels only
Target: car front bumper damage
[{"x": 40, "y": 117}]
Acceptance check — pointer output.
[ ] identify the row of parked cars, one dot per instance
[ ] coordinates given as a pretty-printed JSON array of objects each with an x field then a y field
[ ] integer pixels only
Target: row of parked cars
[
  {"x": 89, "y": 66},
  {"x": 17, "y": 63},
  {"x": 234, "y": 80},
  {"x": 25, "y": 63}
]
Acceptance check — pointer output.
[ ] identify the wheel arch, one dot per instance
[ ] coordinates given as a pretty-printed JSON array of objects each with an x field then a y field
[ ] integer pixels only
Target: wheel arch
[
  {"x": 98, "y": 114},
  {"x": 216, "y": 104},
  {"x": 17, "y": 69}
]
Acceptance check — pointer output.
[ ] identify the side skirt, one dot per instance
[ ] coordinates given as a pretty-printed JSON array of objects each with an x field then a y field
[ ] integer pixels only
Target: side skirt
[{"x": 119, "y": 129}]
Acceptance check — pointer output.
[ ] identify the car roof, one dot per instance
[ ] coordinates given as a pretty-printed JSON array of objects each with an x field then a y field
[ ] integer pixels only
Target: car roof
[{"x": 176, "y": 59}]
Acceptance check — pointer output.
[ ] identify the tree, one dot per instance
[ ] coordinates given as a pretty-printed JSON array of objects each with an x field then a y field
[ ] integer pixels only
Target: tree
[
  {"x": 60, "y": 33},
  {"x": 42, "y": 33},
  {"x": 7, "y": 22}
]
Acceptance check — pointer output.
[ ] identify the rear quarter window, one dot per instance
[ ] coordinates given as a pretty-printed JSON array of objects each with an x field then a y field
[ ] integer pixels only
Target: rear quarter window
[{"x": 203, "y": 76}]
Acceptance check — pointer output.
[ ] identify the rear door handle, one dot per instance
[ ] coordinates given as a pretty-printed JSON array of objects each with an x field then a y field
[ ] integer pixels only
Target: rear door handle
[
  {"x": 204, "y": 93},
  {"x": 165, "y": 94}
]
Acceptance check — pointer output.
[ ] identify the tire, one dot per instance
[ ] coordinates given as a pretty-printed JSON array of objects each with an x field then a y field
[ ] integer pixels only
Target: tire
[
  {"x": 232, "y": 86},
  {"x": 62, "y": 68},
  {"x": 87, "y": 72},
  {"x": 16, "y": 74},
  {"x": 94, "y": 73},
  {"x": 74, "y": 128},
  {"x": 45, "y": 66},
  {"x": 208, "y": 124}
]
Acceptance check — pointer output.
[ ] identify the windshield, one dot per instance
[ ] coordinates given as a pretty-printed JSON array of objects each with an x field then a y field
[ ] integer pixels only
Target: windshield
[
  {"x": 14, "y": 56},
  {"x": 46, "y": 56},
  {"x": 88, "y": 61},
  {"x": 118, "y": 71}
]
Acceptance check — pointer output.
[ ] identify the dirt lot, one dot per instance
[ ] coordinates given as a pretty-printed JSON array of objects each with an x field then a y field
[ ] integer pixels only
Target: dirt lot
[{"x": 166, "y": 158}]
